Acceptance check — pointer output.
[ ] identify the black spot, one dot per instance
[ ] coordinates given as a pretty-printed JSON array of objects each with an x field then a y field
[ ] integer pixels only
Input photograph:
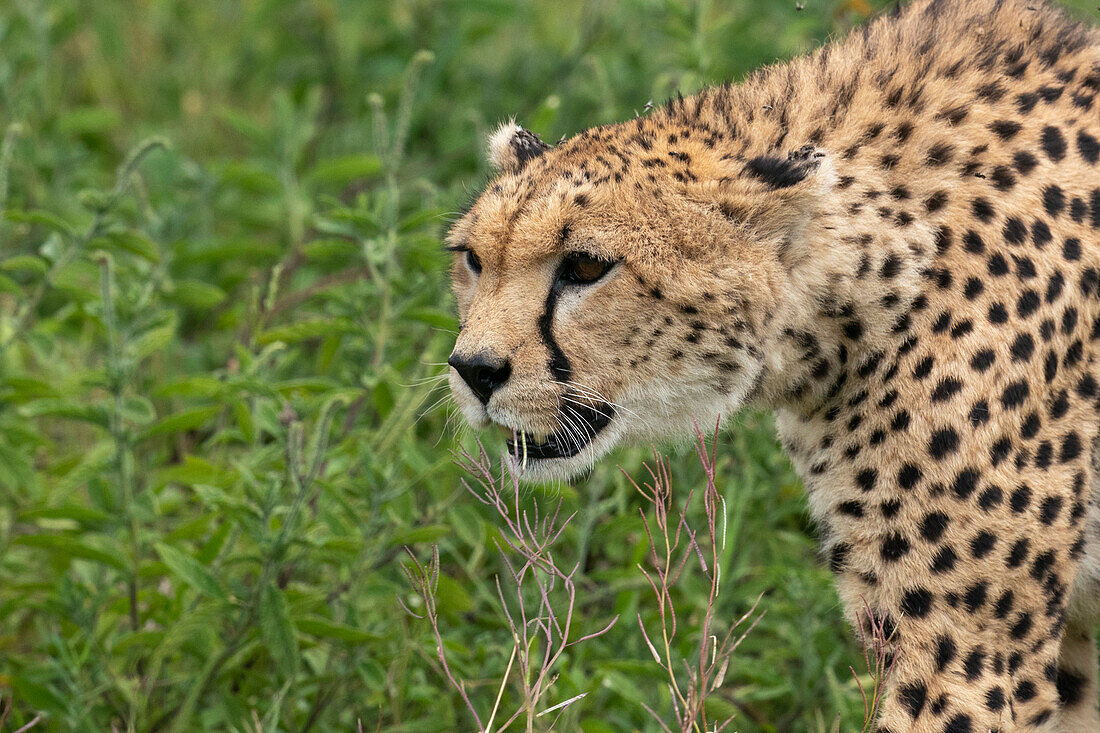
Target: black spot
[
  {"x": 946, "y": 389},
  {"x": 908, "y": 476},
  {"x": 1020, "y": 499},
  {"x": 1054, "y": 200},
  {"x": 1053, "y": 143},
  {"x": 1023, "y": 347},
  {"x": 900, "y": 421},
  {"x": 944, "y": 560},
  {"x": 1027, "y": 303},
  {"x": 943, "y": 443},
  {"x": 940, "y": 153},
  {"x": 778, "y": 172},
  {"x": 1040, "y": 234},
  {"x": 933, "y": 526},
  {"x": 945, "y": 652},
  {"x": 973, "y": 243},
  {"x": 1004, "y": 604},
  {"x": 1088, "y": 146},
  {"x": 974, "y": 663},
  {"x": 1025, "y": 162},
  {"x": 1050, "y": 508},
  {"x": 1014, "y": 394},
  {"x": 965, "y": 483},
  {"x": 838, "y": 556},
  {"x": 990, "y": 498},
  {"x": 1077, "y": 209},
  {"x": 917, "y": 603},
  {"x": 982, "y": 209},
  {"x": 1015, "y": 232},
  {"x": 935, "y": 202},
  {"x": 1071, "y": 687},
  {"x": 894, "y": 547},
  {"x": 997, "y": 265},
  {"x": 913, "y": 696},
  {"x": 1017, "y": 556},
  {"x": 959, "y": 724},
  {"x": 1071, "y": 250},
  {"x": 850, "y": 508},
  {"x": 982, "y": 360},
  {"x": 1019, "y": 630},
  {"x": 1005, "y": 129},
  {"x": 982, "y": 544},
  {"x": 973, "y": 288},
  {"x": 1003, "y": 178},
  {"x": 1071, "y": 447}
]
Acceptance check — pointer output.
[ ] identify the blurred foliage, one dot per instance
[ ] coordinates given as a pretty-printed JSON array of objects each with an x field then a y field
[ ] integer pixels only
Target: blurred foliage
[{"x": 220, "y": 349}]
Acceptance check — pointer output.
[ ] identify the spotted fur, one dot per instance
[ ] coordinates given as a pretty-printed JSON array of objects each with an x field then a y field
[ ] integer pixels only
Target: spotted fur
[{"x": 894, "y": 243}]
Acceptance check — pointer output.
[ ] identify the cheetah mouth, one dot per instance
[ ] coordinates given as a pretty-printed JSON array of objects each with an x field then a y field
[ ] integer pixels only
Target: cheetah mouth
[{"x": 581, "y": 424}]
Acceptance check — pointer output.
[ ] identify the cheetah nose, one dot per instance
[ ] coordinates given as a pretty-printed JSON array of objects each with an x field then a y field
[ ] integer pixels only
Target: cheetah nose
[{"x": 483, "y": 372}]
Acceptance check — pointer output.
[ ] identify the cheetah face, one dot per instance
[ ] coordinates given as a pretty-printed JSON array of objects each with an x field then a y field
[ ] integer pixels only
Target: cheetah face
[{"x": 601, "y": 305}]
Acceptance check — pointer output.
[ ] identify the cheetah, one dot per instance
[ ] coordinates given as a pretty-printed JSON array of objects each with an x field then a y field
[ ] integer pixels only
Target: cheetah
[{"x": 894, "y": 244}]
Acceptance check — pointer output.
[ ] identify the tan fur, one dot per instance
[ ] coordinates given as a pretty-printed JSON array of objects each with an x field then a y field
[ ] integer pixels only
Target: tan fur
[{"x": 895, "y": 244}]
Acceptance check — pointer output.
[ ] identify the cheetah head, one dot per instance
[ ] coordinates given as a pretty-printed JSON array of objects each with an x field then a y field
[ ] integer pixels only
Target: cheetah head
[{"x": 620, "y": 287}]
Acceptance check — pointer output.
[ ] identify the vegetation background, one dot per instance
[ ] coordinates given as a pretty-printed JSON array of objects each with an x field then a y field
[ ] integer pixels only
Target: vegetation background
[{"x": 217, "y": 351}]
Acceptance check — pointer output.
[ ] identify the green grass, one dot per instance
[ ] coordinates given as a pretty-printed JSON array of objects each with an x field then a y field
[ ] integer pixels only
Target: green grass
[{"x": 216, "y": 352}]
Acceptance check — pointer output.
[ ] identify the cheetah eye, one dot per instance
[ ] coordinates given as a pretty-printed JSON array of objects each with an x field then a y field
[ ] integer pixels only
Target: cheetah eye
[
  {"x": 473, "y": 261},
  {"x": 582, "y": 269}
]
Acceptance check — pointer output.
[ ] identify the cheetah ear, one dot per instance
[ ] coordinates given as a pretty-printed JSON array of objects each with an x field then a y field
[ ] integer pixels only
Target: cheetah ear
[{"x": 511, "y": 147}]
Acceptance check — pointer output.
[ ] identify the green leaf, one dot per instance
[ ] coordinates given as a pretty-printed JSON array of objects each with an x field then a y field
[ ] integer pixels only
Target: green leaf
[
  {"x": 277, "y": 631},
  {"x": 331, "y": 250},
  {"x": 40, "y": 217},
  {"x": 94, "y": 414},
  {"x": 75, "y": 512},
  {"x": 28, "y": 388},
  {"x": 16, "y": 470},
  {"x": 243, "y": 124},
  {"x": 25, "y": 263},
  {"x": 192, "y": 470},
  {"x": 88, "y": 120},
  {"x": 346, "y": 169},
  {"x": 138, "y": 410},
  {"x": 326, "y": 629},
  {"x": 37, "y": 696},
  {"x": 191, "y": 571},
  {"x": 197, "y": 294},
  {"x": 182, "y": 421},
  {"x": 68, "y": 547},
  {"x": 431, "y": 533},
  {"x": 7, "y": 285},
  {"x": 244, "y": 420},
  {"x": 297, "y": 332},
  {"x": 451, "y": 596},
  {"x": 154, "y": 340},
  {"x": 250, "y": 176},
  {"x": 128, "y": 241},
  {"x": 197, "y": 386}
]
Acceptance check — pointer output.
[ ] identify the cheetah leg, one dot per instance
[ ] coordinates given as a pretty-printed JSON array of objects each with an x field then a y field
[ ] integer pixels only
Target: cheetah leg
[
  {"x": 953, "y": 675},
  {"x": 1077, "y": 681},
  {"x": 972, "y": 693}
]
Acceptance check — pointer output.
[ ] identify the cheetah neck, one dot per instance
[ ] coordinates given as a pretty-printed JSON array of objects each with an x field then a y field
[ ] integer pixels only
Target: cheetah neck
[{"x": 844, "y": 304}]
